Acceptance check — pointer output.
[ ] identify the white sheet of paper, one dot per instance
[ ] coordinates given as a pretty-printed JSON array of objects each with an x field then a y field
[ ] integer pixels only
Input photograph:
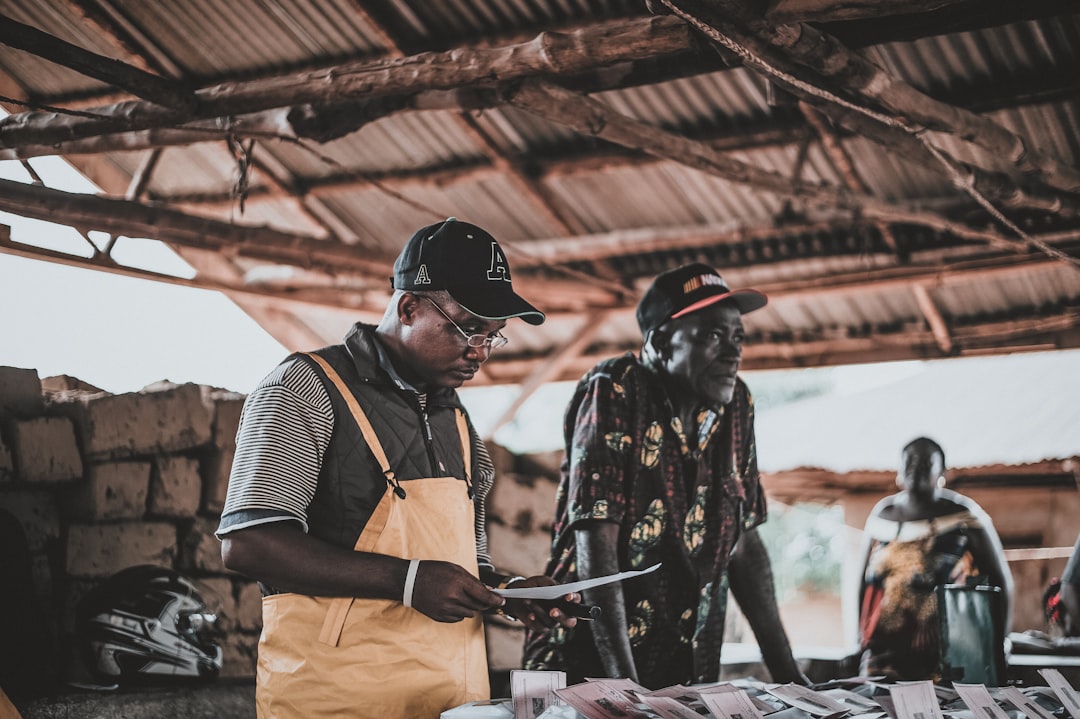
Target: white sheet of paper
[
  {"x": 763, "y": 707},
  {"x": 558, "y": 590},
  {"x": 669, "y": 708},
  {"x": 1025, "y": 704},
  {"x": 534, "y": 691},
  {"x": 915, "y": 700},
  {"x": 681, "y": 692},
  {"x": 808, "y": 700},
  {"x": 733, "y": 704},
  {"x": 978, "y": 700},
  {"x": 598, "y": 700},
  {"x": 855, "y": 703},
  {"x": 1065, "y": 692}
]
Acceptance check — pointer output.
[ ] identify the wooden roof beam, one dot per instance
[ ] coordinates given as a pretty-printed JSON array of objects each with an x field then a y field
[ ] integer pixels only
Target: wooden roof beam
[
  {"x": 842, "y": 163},
  {"x": 807, "y": 60},
  {"x": 553, "y": 367},
  {"x": 593, "y": 118},
  {"x": 354, "y": 304},
  {"x": 547, "y": 54},
  {"x": 135, "y": 80},
  {"x": 938, "y": 326},
  {"x": 1031, "y": 334},
  {"x": 133, "y": 219}
]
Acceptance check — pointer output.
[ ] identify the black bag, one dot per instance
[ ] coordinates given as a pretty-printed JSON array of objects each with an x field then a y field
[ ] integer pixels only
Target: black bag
[{"x": 972, "y": 633}]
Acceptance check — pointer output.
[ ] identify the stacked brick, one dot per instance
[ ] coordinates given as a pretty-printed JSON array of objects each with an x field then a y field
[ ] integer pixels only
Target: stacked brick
[
  {"x": 102, "y": 482},
  {"x": 520, "y": 512}
]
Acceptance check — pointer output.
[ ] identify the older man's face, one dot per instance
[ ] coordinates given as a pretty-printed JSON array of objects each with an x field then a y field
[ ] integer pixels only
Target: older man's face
[{"x": 705, "y": 352}]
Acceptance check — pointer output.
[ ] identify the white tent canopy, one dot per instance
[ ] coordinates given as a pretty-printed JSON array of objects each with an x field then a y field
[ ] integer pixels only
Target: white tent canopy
[{"x": 1013, "y": 409}]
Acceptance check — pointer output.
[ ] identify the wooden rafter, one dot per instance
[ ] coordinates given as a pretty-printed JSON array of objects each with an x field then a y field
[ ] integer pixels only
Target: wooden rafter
[
  {"x": 282, "y": 122},
  {"x": 593, "y": 118},
  {"x": 547, "y": 53},
  {"x": 806, "y": 60},
  {"x": 938, "y": 326},
  {"x": 135, "y": 219},
  {"x": 553, "y": 367},
  {"x": 136, "y": 81}
]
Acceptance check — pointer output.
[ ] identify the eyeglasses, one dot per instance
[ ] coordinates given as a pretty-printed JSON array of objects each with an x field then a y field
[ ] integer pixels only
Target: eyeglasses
[{"x": 492, "y": 342}]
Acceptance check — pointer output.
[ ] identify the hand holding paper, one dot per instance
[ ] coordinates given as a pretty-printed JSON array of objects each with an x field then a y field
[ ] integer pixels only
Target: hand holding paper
[{"x": 560, "y": 590}]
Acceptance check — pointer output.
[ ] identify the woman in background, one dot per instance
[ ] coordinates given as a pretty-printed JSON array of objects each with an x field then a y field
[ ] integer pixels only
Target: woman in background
[{"x": 918, "y": 539}]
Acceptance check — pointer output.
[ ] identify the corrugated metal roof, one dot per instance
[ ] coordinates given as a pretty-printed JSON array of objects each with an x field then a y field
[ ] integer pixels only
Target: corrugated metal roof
[{"x": 528, "y": 180}]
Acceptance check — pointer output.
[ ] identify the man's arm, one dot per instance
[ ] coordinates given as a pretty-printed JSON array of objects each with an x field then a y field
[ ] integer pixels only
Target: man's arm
[
  {"x": 751, "y": 581},
  {"x": 597, "y": 556},
  {"x": 281, "y": 555}
]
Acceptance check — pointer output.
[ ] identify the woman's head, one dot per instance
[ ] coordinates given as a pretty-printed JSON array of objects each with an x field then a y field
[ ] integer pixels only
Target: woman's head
[{"x": 922, "y": 467}]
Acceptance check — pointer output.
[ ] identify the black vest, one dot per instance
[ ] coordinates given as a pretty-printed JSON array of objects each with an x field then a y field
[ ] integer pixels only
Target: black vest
[{"x": 350, "y": 481}]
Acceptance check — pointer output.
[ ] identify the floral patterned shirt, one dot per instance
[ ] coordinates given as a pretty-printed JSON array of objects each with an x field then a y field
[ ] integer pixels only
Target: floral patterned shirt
[{"x": 679, "y": 501}]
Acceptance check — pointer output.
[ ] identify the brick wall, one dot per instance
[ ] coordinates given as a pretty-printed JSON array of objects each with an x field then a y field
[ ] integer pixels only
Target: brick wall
[{"x": 101, "y": 482}]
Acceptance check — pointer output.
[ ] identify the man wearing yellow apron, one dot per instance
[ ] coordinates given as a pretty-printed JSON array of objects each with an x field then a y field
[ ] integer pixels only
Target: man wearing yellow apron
[{"x": 356, "y": 499}]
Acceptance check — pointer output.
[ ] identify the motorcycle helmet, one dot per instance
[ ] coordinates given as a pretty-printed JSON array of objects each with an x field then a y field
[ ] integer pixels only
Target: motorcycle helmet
[{"x": 147, "y": 623}]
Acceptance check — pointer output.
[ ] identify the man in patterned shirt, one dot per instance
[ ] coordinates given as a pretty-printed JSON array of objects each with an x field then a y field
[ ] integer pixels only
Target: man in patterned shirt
[
  {"x": 661, "y": 467},
  {"x": 357, "y": 492}
]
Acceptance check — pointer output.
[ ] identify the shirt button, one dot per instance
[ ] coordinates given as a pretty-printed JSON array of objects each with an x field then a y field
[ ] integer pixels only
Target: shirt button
[{"x": 596, "y": 475}]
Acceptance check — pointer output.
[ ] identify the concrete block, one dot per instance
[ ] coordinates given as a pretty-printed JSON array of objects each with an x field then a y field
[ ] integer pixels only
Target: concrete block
[
  {"x": 112, "y": 490},
  {"x": 37, "y": 512},
  {"x": 215, "y": 468},
  {"x": 44, "y": 585},
  {"x": 517, "y": 553},
  {"x": 101, "y": 550},
  {"x": 20, "y": 393},
  {"x": 505, "y": 643},
  {"x": 239, "y": 656},
  {"x": 45, "y": 450},
  {"x": 175, "y": 487},
  {"x": 139, "y": 423},
  {"x": 249, "y": 606},
  {"x": 7, "y": 463},
  {"x": 526, "y": 503},
  {"x": 227, "y": 408},
  {"x": 60, "y": 383},
  {"x": 73, "y": 592},
  {"x": 201, "y": 550},
  {"x": 217, "y": 593}
]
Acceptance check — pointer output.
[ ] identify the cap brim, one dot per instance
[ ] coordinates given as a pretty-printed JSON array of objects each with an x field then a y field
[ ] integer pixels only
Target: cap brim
[
  {"x": 502, "y": 308},
  {"x": 745, "y": 300}
]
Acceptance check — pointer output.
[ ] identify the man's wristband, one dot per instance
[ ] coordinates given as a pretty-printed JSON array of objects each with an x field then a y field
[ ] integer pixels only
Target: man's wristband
[
  {"x": 410, "y": 582},
  {"x": 507, "y": 581},
  {"x": 504, "y": 584}
]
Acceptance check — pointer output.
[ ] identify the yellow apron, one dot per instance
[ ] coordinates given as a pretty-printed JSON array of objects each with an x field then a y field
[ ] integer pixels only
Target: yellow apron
[{"x": 345, "y": 657}]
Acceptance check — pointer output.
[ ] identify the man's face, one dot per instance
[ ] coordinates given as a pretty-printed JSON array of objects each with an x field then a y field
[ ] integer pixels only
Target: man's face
[
  {"x": 704, "y": 351},
  {"x": 438, "y": 352}
]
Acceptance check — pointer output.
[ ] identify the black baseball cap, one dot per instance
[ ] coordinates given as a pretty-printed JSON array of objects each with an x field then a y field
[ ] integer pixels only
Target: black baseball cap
[
  {"x": 687, "y": 289},
  {"x": 467, "y": 262}
]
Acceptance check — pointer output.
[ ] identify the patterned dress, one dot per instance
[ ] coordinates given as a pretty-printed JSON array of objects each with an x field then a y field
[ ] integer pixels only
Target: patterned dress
[
  {"x": 899, "y": 620},
  {"x": 677, "y": 501}
]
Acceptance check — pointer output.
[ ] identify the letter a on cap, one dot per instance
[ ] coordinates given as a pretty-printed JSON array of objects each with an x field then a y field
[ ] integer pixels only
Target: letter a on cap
[
  {"x": 499, "y": 270},
  {"x": 422, "y": 277}
]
